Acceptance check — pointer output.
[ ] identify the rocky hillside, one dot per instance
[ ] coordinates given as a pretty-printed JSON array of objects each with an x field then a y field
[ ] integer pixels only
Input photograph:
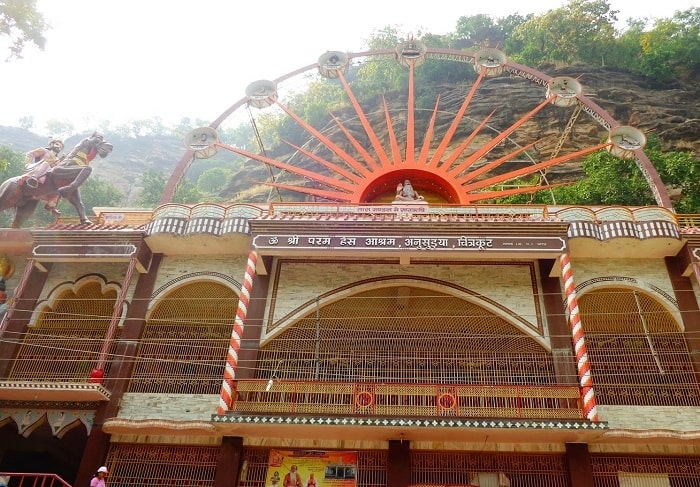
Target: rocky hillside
[{"x": 671, "y": 111}]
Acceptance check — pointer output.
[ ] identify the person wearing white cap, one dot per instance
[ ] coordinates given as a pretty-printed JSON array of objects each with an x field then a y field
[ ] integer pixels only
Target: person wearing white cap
[{"x": 99, "y": 479}]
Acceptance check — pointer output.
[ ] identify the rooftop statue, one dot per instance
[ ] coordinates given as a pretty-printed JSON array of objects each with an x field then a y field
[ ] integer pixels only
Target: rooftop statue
[
  {"x": 405, "y": 192},
  {"x": 37, "y": 163},
  {"x": 24, "y": 192}
]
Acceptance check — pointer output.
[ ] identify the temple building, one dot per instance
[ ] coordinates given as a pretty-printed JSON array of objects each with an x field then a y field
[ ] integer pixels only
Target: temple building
[{"x": 393, "y": 326}]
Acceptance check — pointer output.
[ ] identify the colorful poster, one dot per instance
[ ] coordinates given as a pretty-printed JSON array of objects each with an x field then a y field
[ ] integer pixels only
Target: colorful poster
[{"x": 311, "y": 468}]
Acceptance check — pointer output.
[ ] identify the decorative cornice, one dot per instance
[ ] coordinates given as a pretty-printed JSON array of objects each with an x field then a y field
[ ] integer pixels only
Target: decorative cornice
[
  {"x": 60, "y": 420},
  {"x": 52, "y": 391},
  {"x": 411, "y": 422},
  {"x": 609, "y": 230},
  {"x": 653, "y": 433},
  {"x": 127, "y": 426}
]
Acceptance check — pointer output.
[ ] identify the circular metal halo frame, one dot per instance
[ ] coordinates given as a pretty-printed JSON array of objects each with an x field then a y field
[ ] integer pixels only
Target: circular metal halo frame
[{"x": 480, "y": 59}]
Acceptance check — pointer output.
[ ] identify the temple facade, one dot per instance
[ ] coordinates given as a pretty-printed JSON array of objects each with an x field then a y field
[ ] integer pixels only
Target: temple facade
[{"x": 395, "y": 329}]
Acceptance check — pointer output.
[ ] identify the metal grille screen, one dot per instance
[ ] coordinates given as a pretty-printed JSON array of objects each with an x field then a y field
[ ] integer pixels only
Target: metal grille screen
[
  {"x": 638, "y": 354},
  {"x": 488, "y": 470},
  {"x": 164, "y": 465},
  {"x": 408, "y": 335},
  {"x": 184, "y": 344},
  {"x": 619, "y": 471},
  {"x": 65, "y": 342}
]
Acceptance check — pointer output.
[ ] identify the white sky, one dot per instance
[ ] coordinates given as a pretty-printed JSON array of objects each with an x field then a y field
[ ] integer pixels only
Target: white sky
[{"x": 122, "y": 60}]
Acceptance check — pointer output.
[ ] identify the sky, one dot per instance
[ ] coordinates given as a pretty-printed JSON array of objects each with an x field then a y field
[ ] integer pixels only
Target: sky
[{"x": 125, "y": 60}]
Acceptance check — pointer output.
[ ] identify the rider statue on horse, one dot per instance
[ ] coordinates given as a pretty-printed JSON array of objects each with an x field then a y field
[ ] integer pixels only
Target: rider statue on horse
[
  {"x": 77, "y": 162},
  {"x": 37, "y": 164},
  {"x": 47, "y": 178}
]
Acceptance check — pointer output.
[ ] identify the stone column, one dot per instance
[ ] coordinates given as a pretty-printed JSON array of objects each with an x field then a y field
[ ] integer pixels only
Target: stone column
[
  {"x": 399, "y": 464},
  {"x": 94, "y": 454},
  {"x": 578, "y": 460},
  {"x": 127, "y": 345},
  {"x": 228, "y": 469}
]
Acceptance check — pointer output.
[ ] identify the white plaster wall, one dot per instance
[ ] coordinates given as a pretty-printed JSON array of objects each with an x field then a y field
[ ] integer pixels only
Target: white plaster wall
[
  {"x": 645, "y": 271},
  {"x": 674, "y": 418},
  {"x": 62, "y": 273},
  {"x": 173, "y": 407},
  {"x": 507, "y": 284},
  {"x": 174, "y": 267}
]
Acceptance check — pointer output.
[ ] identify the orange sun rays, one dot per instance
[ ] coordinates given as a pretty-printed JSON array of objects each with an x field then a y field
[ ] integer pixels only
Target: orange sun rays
[{"x": 441, "y": 160}]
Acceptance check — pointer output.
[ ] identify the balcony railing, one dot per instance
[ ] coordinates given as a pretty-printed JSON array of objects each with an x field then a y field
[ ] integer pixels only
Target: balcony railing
[
  {"x": 408, "y": 400},
  {"x": 15, "y": 479}
]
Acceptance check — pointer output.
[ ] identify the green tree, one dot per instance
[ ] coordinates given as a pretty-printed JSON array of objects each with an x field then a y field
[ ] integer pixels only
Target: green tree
[
  {"x": 268, "y": 125},
  {"x": 478, "y": 31},
  {"x": 318, "y": 98},
  {"x": 187, "y": 193},
  {"x": 508, "y": 25},
  {"x": 213, "y": 180},
  {"x": 184, "y": 126},
  {"x": 11, "y": 163},
  {"x": 672, "y": 47},
  {"x": 626, "y": 52},
  {"x": 384, "y": 74},
  {"x": 609, "y": 181},
  {"x": 152, "y": 183},
  {"x": 241, "y": 136},
  {"x": 22, "y": 24},
  {"x": 612, "y": 181},
  {"x": 680, "y": 172},
  {"x": 577, "y": 32}
]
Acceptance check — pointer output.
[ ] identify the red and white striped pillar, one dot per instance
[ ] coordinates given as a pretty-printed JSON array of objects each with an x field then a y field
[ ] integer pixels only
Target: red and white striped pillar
[
  {"x": 582, "y": 363},
  {"x": 226, "y": 398}
]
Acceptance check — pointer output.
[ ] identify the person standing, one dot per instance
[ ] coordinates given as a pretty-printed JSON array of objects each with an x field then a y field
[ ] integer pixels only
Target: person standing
[
  {"x": 312, "y": 481},
  {"x": 292, "y": 479},
  {"x": 99, "y": 480}
]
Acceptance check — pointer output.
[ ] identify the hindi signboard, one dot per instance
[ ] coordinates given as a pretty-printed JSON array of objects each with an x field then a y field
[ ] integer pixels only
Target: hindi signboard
[
  {"x": 477, "y": 243},
  {"x": 311, "y": 468}
]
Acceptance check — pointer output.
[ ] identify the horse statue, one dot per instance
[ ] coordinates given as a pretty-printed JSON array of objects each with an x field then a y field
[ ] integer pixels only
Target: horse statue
[{"x": 64, "y": 179}]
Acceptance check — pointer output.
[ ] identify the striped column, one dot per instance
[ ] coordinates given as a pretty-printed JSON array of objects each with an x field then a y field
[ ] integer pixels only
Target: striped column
[
  {"x": 236, "y": 334},
  {"x": 582, "y": 364}
]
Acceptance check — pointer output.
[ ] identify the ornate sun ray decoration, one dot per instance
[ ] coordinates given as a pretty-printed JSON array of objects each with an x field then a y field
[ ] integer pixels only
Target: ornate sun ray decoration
[{"x": 365, "y": 166}]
